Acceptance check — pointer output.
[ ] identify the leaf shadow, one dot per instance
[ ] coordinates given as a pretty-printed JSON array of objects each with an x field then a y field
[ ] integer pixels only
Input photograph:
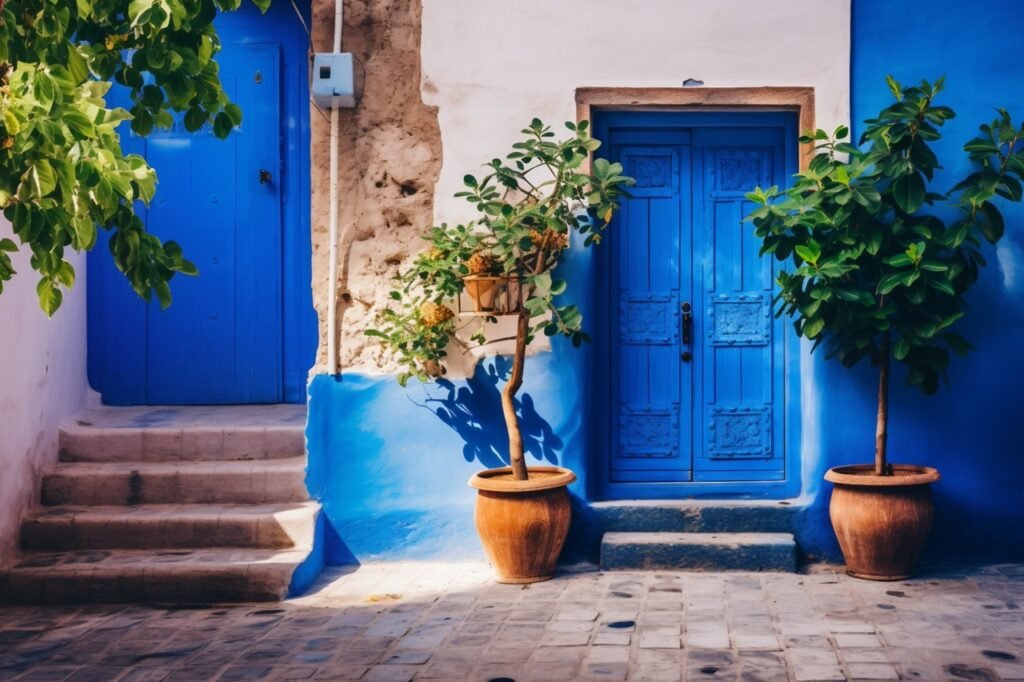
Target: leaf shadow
[{"x": 473, "y": 410}]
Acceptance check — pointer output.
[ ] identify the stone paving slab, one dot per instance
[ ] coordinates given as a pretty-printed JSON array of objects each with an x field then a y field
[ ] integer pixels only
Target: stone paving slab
[{"x": 433, "y": 621}]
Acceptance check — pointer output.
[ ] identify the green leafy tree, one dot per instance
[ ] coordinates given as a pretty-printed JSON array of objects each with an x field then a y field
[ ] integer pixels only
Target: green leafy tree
[
  {"x": 528, "y": 206},
  {"x": 63, "y": 173},
  {"x": 879, "y": 261}
]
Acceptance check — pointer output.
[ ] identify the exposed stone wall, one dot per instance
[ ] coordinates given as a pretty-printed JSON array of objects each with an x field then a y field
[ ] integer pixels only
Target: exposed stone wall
[{"x": 390, "y": 157}]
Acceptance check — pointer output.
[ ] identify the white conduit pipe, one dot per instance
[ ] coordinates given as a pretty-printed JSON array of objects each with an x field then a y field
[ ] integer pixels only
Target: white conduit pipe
[{"x": 332, "y": 310}]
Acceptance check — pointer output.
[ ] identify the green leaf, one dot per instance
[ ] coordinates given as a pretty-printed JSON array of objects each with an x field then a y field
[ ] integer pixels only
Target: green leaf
[
  {"x": 894, "y": 87},
  {"x": 77, "y": 66},
  {"x": 234, "y": 113},
  {"x": 889, "y": 283},
  {"x": 44, "y": 90},
  {"x": 908, "y": 191},
  {"x": 813, "y": 327},
  {"x": 900, "y": 260},
  {"x": 50, "y": 296},
  {"x": 189, "y": 268},
  {"x": 42, "y": 178},
  {"x": 810, "y": 251},
  {"x": 901, "y": 348},
  {"x": 195, "y": 118},
  {"x": 542, "y": 283},
  {"x": 991, "y": 224},
  {"x": 942, "y": 285},
  {"x": 222, "y": 125}
]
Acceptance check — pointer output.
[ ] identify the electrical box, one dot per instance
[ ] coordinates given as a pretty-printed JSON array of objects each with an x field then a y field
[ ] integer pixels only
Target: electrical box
[{"x": 333, "y": 80}]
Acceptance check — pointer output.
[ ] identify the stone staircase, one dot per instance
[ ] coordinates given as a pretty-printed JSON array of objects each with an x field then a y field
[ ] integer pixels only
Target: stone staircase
[
  {"x": 168, "y": 504},
  {"x": 712, "y": 535}
]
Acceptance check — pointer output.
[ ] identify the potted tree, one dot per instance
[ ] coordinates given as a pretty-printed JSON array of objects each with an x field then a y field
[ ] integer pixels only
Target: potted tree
[
  {"x": 879, "y": 268},
  {"x": 528, "y": 206}
]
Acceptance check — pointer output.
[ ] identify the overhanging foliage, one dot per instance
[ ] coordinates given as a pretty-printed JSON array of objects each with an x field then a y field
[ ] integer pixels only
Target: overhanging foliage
[{"x": 63, "y": 173}]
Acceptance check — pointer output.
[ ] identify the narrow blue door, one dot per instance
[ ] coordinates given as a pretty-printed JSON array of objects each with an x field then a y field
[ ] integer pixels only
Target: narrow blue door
[
  {"x": 651, "y": 280},
  {"x": 697, "y": 369},
  {"x": 739, "y": 346},
  {"x": 221, "y": 340}
]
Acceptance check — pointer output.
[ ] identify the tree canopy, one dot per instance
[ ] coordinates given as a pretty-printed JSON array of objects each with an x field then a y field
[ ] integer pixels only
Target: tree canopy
[{"x": 63, "y": 174}]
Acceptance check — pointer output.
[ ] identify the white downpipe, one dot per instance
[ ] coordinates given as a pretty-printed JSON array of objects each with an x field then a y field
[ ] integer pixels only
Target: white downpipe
[{"x": 332, "y": 253}]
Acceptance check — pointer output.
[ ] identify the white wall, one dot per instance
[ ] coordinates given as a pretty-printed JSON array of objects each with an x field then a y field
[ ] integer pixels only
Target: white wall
[
  {"x": 42, "y": 381},
  {"x": 492, "y": 65}
]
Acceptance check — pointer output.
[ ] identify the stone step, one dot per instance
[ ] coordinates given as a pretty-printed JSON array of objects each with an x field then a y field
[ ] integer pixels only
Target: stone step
[
  {"x": 267, "y": 481},
  {"x": 699, "y": 516},
  {"x": 699, "y": 551},
  {"x": 176, "y": 433},
  {"x": 174, "y": 576},
  {"x": 169, "y": 526}
]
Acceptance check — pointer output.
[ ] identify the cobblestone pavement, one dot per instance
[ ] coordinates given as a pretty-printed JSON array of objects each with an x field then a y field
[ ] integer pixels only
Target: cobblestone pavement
[{"x": 407, "y": 621}]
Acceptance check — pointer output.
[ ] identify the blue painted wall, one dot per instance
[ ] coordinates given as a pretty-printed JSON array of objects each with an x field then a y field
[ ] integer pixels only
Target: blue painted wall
[
  {"x": 974, "y": 432},
  {"x": 391, "y": 464}
]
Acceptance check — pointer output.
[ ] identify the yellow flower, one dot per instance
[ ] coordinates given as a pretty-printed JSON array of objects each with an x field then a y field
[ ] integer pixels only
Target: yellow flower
[
  {"x": 434, "y": 315},
  {"x": 555, "y": 240},
  {"x": 481, "y": 263}
]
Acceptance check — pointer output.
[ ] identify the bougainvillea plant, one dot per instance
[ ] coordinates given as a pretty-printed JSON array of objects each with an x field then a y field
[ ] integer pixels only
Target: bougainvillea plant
[
  {"x": 62, "y": 170},
  {"x": 528, "y": 205},
  {"x": 879, "y": 261}
]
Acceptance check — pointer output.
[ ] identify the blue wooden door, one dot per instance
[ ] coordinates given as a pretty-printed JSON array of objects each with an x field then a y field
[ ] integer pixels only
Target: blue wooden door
[
  {"x": 651, "y": 278},
  {"x": 737, "y": 338},
  {"x": 697, "y": 368},
  {"x": 221, "y": 340}
]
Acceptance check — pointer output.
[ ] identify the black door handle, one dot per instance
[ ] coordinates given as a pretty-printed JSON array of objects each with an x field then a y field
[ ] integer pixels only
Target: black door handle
[
  {"x": 265, "y": 176},
  {"x": 687, "y": 323},
  {"x": 687, "y": 331}
]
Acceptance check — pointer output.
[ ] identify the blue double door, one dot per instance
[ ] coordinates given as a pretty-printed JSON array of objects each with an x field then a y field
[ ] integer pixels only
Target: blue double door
[
  {"x": 695, "y": 395},
  {"x": 243, "y": 330}
]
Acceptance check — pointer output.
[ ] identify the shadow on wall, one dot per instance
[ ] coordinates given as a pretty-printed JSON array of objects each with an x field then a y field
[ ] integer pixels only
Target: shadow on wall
[
  {"x": 390, "y": 464},
  {"x": 473, "y": 410}
]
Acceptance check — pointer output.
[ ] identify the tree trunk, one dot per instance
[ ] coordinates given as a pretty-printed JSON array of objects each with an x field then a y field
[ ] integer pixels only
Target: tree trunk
[
  {"x": 508, "y": 394},
  {"x": 882, "y": 425}
]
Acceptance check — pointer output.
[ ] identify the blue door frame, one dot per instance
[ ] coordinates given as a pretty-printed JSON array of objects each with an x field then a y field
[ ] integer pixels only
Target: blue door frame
[
  {"x": 701, "y": 396},
  {"x": 258, "y": 342}
]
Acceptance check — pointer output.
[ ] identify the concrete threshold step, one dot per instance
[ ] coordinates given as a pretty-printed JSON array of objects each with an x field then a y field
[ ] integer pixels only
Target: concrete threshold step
[
  {"x": 269, "y": 481},
  {"x": 699, "y": 551},
  {"x": 699, "y": 516},
  {"x": 169, "y": 526},
  {"x": 183, "y": 576},
  {"x": 176, "y": 433}
]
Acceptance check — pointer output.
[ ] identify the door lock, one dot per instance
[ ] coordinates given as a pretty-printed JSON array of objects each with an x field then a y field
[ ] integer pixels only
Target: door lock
[{"x": 265, "y": 176}]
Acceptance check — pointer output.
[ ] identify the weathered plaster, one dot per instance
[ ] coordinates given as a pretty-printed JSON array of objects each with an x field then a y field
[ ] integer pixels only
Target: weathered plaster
[
  {"x": 390, "y": 154},
  {"x": 42, "y": 381}
]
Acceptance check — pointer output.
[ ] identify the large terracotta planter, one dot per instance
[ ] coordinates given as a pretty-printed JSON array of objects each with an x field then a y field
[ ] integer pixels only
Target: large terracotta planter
[
  {"x": 523, "y": 524},
  {"x": 881, "y": 522}
]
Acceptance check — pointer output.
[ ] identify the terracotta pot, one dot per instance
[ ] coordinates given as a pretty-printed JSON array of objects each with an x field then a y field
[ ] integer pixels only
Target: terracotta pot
[
  {"x": 881, "y": 522},
  {"x": 523, "y": 524},
  {"x": 482, "y": 290}
]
